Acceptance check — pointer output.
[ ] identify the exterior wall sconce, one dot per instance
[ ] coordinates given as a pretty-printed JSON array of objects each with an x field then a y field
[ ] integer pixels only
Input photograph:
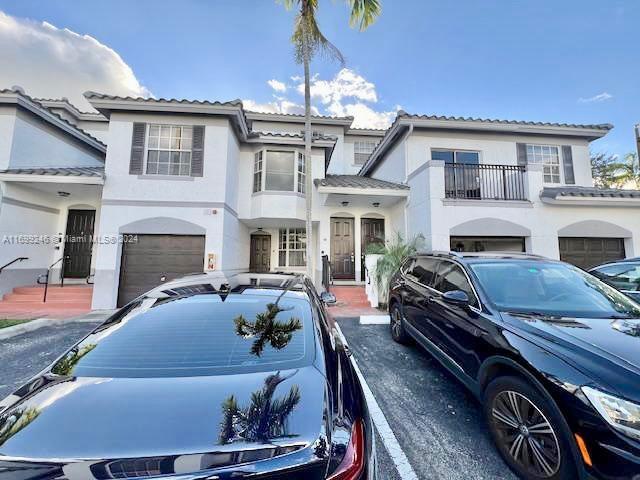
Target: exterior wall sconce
[
  {"x": 344, "y": 204},
  {"x": 376, "y": 204}
]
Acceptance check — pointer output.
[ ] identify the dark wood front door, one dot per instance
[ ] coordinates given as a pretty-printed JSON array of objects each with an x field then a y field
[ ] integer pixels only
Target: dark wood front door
[
  {"x": 78, "y": 243},
  {"x": 371, "y": 231},
  {"x": 342, "y": 249},
  {"x": 260, "y": 259}
]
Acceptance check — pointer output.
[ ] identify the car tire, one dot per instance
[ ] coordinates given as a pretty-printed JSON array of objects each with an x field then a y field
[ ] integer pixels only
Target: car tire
[
  {"x": 528, "y": 430},
  {"x": 398, "y": 333}
]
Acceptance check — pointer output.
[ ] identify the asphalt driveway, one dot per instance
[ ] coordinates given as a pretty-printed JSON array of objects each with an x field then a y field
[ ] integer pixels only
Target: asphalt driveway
[{"x": 437, "y": 423}]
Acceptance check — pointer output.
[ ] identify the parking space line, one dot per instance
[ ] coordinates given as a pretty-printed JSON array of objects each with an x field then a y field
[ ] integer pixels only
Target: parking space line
[
  {"x": 375, "y": 319},
  {"x": 400, "y": 460}
]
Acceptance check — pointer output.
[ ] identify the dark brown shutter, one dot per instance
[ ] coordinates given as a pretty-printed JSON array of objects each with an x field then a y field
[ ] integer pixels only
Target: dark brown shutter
[
  {"x": 522, "y": 153},
  {"x": 137, "y": 148},
  {"x": 567, "y": 165},
  {"x": 197, "y": 151}
]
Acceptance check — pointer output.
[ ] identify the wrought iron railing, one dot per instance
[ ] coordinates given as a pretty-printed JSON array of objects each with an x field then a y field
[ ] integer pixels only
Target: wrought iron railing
[
  {"x": 327, "y": 276},
  {"x": 15, "y": 260},
  {"x": 44, "y": 278},
  {"x": 485, "y": 182}
]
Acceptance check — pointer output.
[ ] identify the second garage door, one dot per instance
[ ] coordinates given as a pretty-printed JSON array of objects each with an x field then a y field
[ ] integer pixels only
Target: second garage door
[
  {"x": 155, "y": 259},
  {"x": 587, "y": 252}
]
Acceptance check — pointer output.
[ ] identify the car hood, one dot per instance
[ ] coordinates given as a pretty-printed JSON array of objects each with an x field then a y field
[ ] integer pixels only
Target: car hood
[
  {"x": 118, "y": 418},
  {"x": 607, "y": 348}
]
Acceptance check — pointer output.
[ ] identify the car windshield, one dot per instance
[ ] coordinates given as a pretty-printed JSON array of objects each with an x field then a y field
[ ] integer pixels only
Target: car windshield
[
  {"x": 550, "y": 288},
  {"x": 205, "y": 334}
]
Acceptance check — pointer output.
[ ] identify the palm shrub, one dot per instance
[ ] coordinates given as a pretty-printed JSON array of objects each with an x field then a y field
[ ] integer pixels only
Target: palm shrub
[{"x": 393, "y": 255}]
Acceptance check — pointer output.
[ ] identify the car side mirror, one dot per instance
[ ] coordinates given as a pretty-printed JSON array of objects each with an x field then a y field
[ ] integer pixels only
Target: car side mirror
[
  {"x": 456, "y": 297},
  {"x": 328, "y": 298}
]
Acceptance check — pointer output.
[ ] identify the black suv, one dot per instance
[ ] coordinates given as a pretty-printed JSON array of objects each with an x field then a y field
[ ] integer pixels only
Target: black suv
[
  {"x": 552, "y": 353},
  {"x": 623, "y": 275}
]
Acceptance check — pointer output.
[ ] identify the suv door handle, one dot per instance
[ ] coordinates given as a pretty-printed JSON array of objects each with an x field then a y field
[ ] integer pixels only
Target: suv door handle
[{"x": 431, "y": 299}]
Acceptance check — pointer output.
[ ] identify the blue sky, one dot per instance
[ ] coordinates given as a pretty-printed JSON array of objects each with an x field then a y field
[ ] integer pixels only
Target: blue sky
[{"x": 567, "y": 61}]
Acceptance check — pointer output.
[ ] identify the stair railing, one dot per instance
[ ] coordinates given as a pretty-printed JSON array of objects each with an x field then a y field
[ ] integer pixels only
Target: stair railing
[
  {"x": 327, "y": 274},
  {"x": 47, "y": 275},
  {"x": 18, "y": 259}
]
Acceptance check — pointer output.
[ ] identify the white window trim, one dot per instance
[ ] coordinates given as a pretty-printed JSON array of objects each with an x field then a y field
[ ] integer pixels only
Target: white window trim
[
  {"x": 263, "y": 179},
  {"x": 560, "y": 162},
  {"x": 146, "y": 152},
  {"x": 287, "y": 248},
  {"x": 375, "y": 144}
]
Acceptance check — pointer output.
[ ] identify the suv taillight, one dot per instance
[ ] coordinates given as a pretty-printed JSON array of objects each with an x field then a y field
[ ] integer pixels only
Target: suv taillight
[{"x": 352, "y": 464}]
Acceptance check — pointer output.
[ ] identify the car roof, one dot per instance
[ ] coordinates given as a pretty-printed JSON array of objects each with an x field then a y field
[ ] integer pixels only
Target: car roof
[
  {"x": 220, "y": 282},
  {"x": 617, "y": 262},
  {"x": 482, "y": 255}
]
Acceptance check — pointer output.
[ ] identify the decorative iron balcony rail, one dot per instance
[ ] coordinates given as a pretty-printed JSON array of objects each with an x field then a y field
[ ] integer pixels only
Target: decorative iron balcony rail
[{"x": 485, "y": 182}]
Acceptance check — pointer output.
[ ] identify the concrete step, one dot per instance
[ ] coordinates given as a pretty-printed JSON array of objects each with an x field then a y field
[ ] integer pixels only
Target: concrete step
[{"x": 79, "y": 289}]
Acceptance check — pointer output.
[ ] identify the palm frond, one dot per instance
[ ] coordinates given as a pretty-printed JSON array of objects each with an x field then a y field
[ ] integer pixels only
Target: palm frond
[
  {"x": 363, "y": 13},
  {"x": 395, "y": 253},
  {"x": 307, "y": 38}
]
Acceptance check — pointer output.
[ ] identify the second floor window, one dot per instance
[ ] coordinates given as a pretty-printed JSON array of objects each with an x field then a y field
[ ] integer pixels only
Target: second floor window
[
  {"x": 169, "y": 150},
  {"x": 362, "y": 149},
  {"x": 279, "y": 171},
  {"x": 549, "y": 157}
]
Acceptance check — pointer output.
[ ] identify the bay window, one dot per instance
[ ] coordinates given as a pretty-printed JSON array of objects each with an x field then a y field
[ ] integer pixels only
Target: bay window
[
  {"x": 292, "y": 243},
  {"x": 279, "y": 171}
]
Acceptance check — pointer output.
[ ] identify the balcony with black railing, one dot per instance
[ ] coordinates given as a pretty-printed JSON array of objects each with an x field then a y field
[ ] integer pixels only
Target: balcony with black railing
[{"x": 485, "y": 182}]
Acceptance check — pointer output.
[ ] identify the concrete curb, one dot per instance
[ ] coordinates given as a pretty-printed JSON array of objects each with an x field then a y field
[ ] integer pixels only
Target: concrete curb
[{"x": 97, "y": 316}]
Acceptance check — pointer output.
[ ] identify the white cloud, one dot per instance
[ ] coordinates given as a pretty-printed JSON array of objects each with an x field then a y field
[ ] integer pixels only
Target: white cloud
[
  {"x": 51, "y": 62},
  {"x": 346, "y": 94},
  {"x": 280, "y": 105},
  {"x": 277, "y": 85},
  {"x": 346, "y": 84},
  {"x": 601, "y": 97}
]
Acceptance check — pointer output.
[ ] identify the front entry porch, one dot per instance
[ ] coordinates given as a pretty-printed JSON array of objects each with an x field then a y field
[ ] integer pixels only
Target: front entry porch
[{"x": 48, "y": 217}]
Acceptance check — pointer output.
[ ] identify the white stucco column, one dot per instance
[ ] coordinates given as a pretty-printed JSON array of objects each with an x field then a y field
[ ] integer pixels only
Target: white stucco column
[
  {"x": 438, "y": 236},
  {"x": 543, "y": 241}
]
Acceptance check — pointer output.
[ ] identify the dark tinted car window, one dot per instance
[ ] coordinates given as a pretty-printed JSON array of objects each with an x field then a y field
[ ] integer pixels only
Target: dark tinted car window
[
  {"x": 423, "y": 270},
  {"x": 198, "y": 335},
  {"x": 451, "y": 277},
  {"x": 551, "y": 288},
  {"x": 624, "y": 276}
]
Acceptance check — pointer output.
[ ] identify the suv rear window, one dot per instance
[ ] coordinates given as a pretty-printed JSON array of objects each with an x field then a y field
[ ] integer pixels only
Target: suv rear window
[{"x": 198, "y": 335}]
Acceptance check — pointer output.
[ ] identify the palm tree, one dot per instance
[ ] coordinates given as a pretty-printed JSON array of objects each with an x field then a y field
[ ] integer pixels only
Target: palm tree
[
  {"x": 308, "y": 40},
  {"x": 264, "y": 418},
  {"x": 267, "y": 329},
  {"x": 393, "y": 256}
]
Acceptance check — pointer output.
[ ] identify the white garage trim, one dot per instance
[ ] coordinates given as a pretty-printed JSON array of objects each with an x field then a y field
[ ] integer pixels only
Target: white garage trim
[
  {"x": 489, "y": 227},
  {"x": 162, "y": 226},
  {"x": 594, "y": 228}
]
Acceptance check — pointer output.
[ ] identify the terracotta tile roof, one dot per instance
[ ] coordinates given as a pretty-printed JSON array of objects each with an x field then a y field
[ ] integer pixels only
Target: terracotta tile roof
[
  {"x": 60, "y": 171},
  {"x": 555, "y": 192},
  {"x": 356, "y": 181}
]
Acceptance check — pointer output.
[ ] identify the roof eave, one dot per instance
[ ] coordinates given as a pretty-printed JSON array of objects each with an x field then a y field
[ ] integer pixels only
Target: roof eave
[
  {"x": 107, "y": 105},
  {"x": 293, "y": 118},
  {"x": 33, "y": 178},
  {"x": 17, "y": 99},
  {"x": 506, "y": 127}
]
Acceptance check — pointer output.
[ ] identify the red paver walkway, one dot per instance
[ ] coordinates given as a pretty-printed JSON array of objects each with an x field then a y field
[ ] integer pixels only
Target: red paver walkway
[
  {"x": 62, "y": 302},
  {"x": 351, "y": 302}
]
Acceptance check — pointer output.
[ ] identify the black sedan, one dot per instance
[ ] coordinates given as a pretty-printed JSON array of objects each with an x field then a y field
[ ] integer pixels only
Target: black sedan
[
  {"x": 201, "y": 378},
  {"x": 623, "y": 275},
  {"x": 552, "y": 353}
]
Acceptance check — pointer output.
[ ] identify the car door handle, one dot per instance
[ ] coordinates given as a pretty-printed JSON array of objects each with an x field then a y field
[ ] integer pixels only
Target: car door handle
[{"x": 431, "y": 299}]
